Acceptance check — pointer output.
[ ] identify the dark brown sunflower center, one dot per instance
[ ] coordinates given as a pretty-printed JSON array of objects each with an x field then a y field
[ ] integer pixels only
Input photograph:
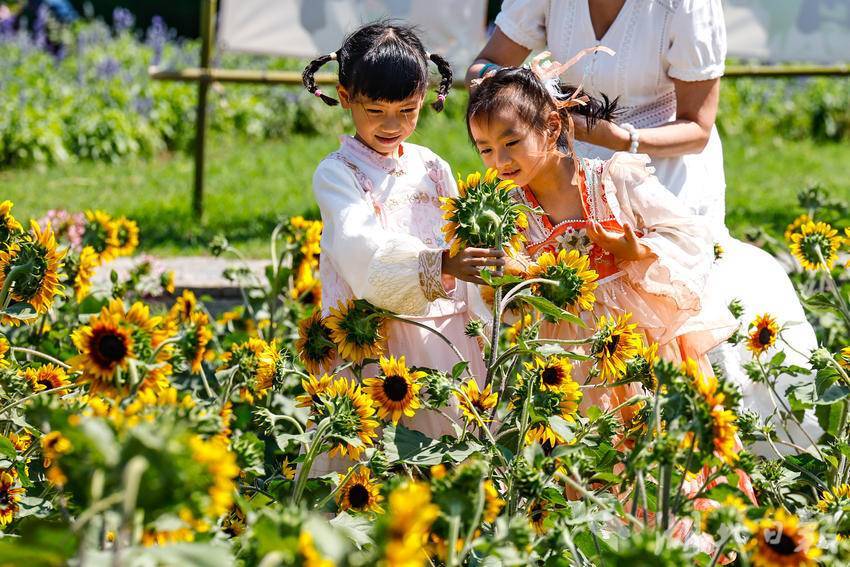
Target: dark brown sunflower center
[
  {"x": 5, "y": 498},
  {"x": 552, "y": 376},
  {"x": 395, "y": 387},
  {"x": 765, "y": 336},
  {"x": 358, "y": 496},
  {"x": 785, "y": 546},
  {"x": 110, "y": 348},
  {"x": 537, "y": 514},
  {"x": 611, "y": 346}
]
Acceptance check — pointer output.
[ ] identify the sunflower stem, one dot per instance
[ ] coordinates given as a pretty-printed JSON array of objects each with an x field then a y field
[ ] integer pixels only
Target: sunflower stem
[
  {"x": 16, "y": 403},
  {"x": 10, "y": 278},
  {"x": 833, "y": 287},
  {"x": 520, "y": 286},
  {"x": 454, "y": 531},
  {"x": 46, "y": 357},
  {"x": 312, "y": 453},
  {"x": 476, "y": 519}
]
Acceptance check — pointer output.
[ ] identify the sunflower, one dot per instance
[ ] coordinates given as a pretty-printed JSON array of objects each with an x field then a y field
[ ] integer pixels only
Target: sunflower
[
  {"x": 795, "y": 225},
  {"x": 641, "y": 368},
  {"x": 10, "y": 495},
  {"x": 305, "y": 279},
  {"x": 87, "y": 264},
  {"x": 493, "y": 503},
  {"x": 470, "y": 397},
  {"x": 781, "y": 540},
  {"x": 4, "y": 348},
  {"x": 358, "y": 330},
  {"x": 9, "y": 227},
  {"x": 352, "y": 417},
  {"x": 197, "y": 337},
  {"x": 47, "y": 377},
  {"x": 614, "y": 343},
  {"x": 313, "y": 388},
  {"x": 553, "y": 373},
  {"x": 410, "y": 516},
  {"x": 723, "y": 421},
  {"x": 474, "y": 216},
  {"x": 550, "y": 404},
  {"x": 843, "y": 358},
  {"x": 396, "y": 393},
  {"x": 126, "y": 235},
  {"x": 105, "y": 349},
  {"x": 220, "y": 463},
  {"x": 360, "y": 493},
  {"x": 315, "y": 345},
  {"x": 763, "y": 334},
  {"x": 537, "y": 514},
  {"x": 101, "y": 233},
  {"x": 815, "y": 237},
  {"x": 36, "y": 262},
  {"x": 575, "y": 280},
  {"x": 257, "y": 364},
  {"x": 515, "y": 331},
  {"x": 53, "y": 446},
  {"x": 183, "y": 307}
]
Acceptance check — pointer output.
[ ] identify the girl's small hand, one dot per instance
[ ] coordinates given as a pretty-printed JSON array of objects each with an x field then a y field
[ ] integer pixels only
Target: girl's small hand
[
  {"x": 467, "y": 264},
  {"x": 624, "y": 246}
]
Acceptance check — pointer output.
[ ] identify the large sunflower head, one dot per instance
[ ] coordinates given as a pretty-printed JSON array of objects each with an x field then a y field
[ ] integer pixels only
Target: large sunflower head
[
  {"x": 87, "y": 263},
  {"x": 723, "y": 429},
  {"x": 553, "y": 373},
  {"x": 407, "y": 525},
  {"x": 105, "y": 347},
  {"x": 34, "y": 263},
  {"x": 575, "y": 280},
  {"x": 10, "y": 495},
  {"x": 9, "y": 227},
  {"x": 127, "y": 236},
  {"x": 46, "y": 377},
  {"x": 779, "y": 539},
  {"x": 358, "y": 330},
  {"x": 816, "y": 240},
  {"x": 352, "y": 419},
  {"x": 360, "y": 493},
  {"x": 101, "y": 233},
  {"x": 183, "y": 307},
  {"x": 396, "y": 391},
  {"x": 614, "y": 343},
  {"x": 315, "y": 344},
  {"x": 470, "y": 398},
  {"x": 560, "y": 398},
  {"x": 763, "y": 333},
  {"x": 474, "y": 216}
]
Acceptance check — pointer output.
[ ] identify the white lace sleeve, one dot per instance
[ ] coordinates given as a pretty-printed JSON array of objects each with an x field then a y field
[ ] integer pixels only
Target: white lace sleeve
[
  {"x": 392, "y": 270},
  {"x": 680, "y": 241}
]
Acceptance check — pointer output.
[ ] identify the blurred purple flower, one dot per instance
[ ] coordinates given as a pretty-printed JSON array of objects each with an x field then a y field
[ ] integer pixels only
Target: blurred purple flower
[
  {"x": 40, "y": 27},
  {"x": 122, "y": 20},
  {"x": 108, "y": 68},
  {"x": 157, "y": 36}
]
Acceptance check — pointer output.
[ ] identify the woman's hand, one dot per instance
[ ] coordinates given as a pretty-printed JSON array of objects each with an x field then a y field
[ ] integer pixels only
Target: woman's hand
[
  {"x": 467, "y": 264},
  {"x": 624, "y": 247},
  {"x": 604, "y": 133}
]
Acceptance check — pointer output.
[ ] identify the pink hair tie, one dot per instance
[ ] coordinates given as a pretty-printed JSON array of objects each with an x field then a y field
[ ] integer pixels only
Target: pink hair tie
[
  {"x": 441, "y": 98},
  {"x": 318, "y": 93}
]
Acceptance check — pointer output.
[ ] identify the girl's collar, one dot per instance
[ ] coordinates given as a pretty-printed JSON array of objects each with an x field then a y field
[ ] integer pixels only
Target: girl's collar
[{"x": 391, "y": 165}]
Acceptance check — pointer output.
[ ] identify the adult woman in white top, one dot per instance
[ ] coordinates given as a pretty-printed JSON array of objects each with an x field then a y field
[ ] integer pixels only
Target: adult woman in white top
[{"x": 669, "y": 57}]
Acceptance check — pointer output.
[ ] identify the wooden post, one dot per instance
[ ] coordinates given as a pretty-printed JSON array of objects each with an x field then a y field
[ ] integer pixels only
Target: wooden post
[{"x": 208, "y": 17}]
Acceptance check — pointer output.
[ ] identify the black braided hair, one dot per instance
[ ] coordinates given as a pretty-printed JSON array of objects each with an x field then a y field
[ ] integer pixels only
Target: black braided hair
[
  {"x": 519, "y": 89},
  {"x": 308, "y": 77},
  {"x": 445, "y": 69},
  {"x": 382, "y": 61}
]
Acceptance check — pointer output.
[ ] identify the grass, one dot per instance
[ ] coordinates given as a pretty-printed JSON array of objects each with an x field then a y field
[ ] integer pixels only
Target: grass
[{"x": 251, "y": 184}]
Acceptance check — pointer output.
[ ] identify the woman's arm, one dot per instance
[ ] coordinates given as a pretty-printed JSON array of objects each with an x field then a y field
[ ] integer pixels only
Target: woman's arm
[
  {"x": 501, "y": 50},
  {"x": 696, "y": 110}
]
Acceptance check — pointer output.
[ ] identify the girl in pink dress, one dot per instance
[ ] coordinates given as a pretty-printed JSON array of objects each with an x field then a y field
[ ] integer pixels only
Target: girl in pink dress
[
  {"x": 379, "y": 200},
  {"x": 652, "y": 255}
]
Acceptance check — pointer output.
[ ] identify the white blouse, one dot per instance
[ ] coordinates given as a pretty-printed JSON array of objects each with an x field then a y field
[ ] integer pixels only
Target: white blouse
[{"x": 655, "y": 42}]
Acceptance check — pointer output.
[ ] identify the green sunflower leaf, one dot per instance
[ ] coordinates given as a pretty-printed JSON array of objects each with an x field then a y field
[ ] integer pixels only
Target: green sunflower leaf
[{"x": 546, "y": 307}]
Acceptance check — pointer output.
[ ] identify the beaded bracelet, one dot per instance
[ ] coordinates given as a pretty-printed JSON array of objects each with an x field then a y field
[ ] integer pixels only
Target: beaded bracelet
[{"x": 634, "y": 137}]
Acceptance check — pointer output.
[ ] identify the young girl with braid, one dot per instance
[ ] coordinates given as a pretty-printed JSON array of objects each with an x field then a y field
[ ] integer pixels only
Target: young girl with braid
[{"x": 379, "y": 200}]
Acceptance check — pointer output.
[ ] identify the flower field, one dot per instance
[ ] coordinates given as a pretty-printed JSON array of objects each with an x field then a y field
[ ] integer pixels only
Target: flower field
[{"x": 169, "y": 435}]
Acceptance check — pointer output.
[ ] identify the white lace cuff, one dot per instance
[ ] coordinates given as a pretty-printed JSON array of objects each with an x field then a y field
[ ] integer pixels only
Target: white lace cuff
[{"x": 430, "y": 274}]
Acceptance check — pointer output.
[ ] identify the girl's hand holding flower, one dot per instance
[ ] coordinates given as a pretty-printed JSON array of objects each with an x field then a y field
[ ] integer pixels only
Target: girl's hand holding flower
[{"x": 467, "y": 264}]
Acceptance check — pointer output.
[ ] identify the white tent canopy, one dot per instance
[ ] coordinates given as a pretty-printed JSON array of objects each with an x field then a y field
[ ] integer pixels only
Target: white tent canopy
[{"x": 774, "y": 31}]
